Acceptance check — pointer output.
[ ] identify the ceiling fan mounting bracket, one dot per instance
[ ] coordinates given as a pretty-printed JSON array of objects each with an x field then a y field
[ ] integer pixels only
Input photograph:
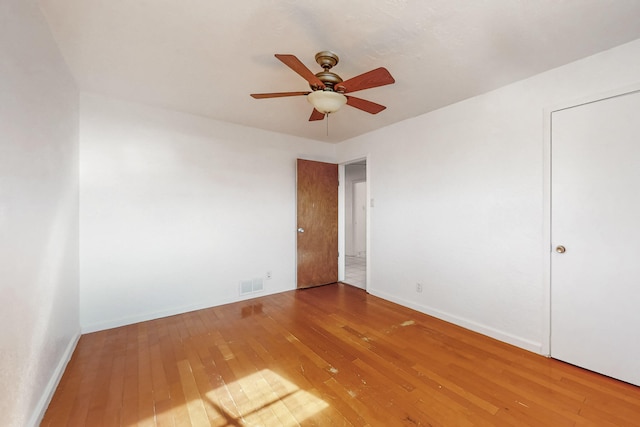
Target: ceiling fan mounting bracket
[{"x": 327, "y": 59}]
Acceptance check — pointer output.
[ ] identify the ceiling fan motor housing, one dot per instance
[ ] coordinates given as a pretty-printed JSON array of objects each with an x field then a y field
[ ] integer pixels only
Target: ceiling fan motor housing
[{"x": 329, "y": 79}]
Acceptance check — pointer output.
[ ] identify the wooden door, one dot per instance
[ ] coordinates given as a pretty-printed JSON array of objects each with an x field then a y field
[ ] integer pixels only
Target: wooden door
[
  {"x": 317, "y": 215},
  {"x": 595, "y": 234}
]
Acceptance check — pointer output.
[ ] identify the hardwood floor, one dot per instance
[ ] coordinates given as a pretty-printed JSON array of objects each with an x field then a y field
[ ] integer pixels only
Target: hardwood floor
[{"x": 332, "y": 356}]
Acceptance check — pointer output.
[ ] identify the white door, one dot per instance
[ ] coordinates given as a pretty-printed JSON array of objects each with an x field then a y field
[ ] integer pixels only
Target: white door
[{"x": 595, "y": 216}]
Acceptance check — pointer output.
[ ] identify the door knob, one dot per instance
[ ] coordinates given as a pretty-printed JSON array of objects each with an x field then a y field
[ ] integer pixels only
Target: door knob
[
  {"x": 561, "y": 249},
  {"x": 300, "y": 230}
]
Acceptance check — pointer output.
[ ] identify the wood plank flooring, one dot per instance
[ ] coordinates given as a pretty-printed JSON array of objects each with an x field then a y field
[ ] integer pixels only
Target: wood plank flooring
[{"x": 327, "y": 356}]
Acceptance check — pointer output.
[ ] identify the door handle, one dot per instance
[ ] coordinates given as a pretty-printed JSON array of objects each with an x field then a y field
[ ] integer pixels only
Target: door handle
[
  {"x": 561, "y": 249},
  {"x": 300, "y": 230}
]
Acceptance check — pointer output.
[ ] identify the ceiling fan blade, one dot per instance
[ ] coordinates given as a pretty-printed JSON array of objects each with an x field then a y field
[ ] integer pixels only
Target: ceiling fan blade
[
  {"x": 316, "y": 115},
  {"x": 374, "y": 78},
  {"x": 294, "y": 63},
  {"x": 277, "y": 94},
  {"x": 364, "y": 105}
]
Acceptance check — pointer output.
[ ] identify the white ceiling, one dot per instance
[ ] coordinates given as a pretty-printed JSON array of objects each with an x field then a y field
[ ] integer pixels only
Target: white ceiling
[{"x": 205, "y": 56}]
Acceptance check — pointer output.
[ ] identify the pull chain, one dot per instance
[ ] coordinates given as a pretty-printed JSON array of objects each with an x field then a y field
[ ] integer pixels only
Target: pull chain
[{"x": 327, "y": 124}]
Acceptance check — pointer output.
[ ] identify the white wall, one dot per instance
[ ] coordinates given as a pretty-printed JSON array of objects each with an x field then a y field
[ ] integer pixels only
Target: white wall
[
  {"x": 176, "y": 210},
  {"x": 39, "y": 323},
  {"x": 353, "y": 173},
  {"x": 460, "y": 201}
]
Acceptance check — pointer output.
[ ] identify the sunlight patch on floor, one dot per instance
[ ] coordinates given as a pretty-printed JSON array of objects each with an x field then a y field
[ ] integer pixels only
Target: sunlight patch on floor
[
  {"x": 263, "y": 398},
  {"x": 268, "y": 399}
]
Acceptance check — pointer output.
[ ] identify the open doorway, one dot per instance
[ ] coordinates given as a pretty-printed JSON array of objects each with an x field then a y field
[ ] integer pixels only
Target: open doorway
[{"x": 355, "y": 204}]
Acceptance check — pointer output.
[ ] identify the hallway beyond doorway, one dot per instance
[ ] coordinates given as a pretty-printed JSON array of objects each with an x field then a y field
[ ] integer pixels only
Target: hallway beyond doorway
[{"x": 356, "y": 271}]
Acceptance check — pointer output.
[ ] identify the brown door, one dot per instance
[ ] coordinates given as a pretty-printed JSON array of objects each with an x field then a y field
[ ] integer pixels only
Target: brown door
[{"x": 317, "y": 210}]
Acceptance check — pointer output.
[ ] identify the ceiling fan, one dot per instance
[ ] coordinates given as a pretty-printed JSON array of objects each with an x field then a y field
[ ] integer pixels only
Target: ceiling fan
[{"x": 328, "y": 89}]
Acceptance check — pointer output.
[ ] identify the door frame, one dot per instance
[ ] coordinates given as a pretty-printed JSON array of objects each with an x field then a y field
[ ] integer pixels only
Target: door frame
[
  {"x": 547, "y": 249},
  {"x": 342, "y": 219}
]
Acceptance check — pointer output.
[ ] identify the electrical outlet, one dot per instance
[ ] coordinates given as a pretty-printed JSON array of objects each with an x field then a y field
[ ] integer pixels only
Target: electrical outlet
[
  {"x": 268, "y": 275},
  {"x": 418, "y": 287}
]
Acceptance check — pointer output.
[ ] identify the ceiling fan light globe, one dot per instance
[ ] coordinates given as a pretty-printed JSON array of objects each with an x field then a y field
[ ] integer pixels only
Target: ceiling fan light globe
[{"x": 325, "y": 101}]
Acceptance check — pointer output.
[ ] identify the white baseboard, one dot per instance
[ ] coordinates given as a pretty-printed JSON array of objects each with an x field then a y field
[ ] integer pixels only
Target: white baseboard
[
  {"x": 129, "y": 320},
  {"x": 535, "y": 347},
  {"x": 52, "y": 385}
]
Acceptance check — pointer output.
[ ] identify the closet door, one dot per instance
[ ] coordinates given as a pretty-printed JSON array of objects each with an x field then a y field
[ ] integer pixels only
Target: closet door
[{"x": 595, "y": 235}]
